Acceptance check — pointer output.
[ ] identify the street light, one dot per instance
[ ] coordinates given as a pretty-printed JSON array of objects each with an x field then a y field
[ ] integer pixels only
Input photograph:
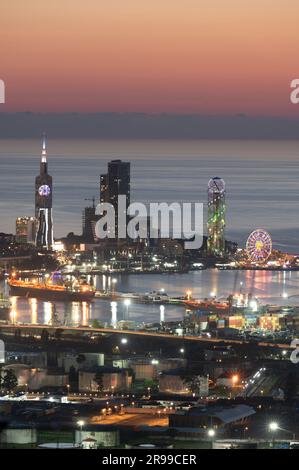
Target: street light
[
  {"x": 211, "y": 433},
  {"x": 235, "y": 379},
  {"x": 124, "y": 341},
  {"x": 81, "y": 424},
  {"x": 273, "y": 426}
]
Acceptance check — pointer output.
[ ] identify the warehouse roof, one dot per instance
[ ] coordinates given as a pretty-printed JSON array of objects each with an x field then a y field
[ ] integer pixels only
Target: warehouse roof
[{"x": 225, "y": 414}]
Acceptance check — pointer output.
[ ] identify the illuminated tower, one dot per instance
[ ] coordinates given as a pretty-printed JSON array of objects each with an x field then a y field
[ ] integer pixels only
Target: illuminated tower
[
  {"x": 43, "y": 204},
  {"x": 216, "y": 217}
]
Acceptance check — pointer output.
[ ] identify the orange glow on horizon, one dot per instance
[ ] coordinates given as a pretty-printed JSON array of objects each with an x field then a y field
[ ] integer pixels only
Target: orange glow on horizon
[{"x": 139, "y": 55}]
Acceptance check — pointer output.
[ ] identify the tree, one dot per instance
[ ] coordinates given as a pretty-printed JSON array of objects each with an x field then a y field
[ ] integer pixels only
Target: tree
[
  {"x": 72, "y": 374},
  {"x": 58, "y": 334},
  {"x": 150, "y": 384},
  {"x": 222, "y": 391},
  {"x": 193, "y": 383},
  {"x": 73, "y": 377},
  {"x": 80, "y": 358},
  {"x": 192, "y": 378},
  {"x": 9, "y": 381},
  {"x": 18, "y": 333},
  {"x": 97, "y": 324},
  {"x": 44, "y": 336},
  {"x": 291, "y": 382},
  {"x": 98, "y": 379}
]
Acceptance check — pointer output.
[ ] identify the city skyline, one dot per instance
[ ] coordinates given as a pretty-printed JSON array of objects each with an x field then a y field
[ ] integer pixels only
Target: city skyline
[
  {"x": 149, "y": 253},
  {"x": 205, "y": 159},
  {"x": 112, "y": 185}
]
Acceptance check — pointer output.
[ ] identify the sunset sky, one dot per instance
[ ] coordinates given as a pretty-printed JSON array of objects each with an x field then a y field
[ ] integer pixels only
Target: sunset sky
[{"x": 180, "y": 56}]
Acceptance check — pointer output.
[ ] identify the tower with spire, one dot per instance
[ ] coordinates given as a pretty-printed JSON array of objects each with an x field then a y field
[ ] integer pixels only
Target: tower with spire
[{"x": 43, "y": 203}]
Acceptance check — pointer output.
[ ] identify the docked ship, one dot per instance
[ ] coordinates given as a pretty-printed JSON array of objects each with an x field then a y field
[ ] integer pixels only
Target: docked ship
[
  {"x": 207, "y": 305},
  {"x": 73, "y": 292}
]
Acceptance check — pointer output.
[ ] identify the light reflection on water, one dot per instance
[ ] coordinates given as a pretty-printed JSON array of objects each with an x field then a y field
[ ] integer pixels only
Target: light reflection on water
[{"x": 267, "y": 285}]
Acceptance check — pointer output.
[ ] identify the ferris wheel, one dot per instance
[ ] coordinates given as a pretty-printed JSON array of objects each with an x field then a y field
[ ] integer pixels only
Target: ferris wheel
[{"x": 259, "y": 245}]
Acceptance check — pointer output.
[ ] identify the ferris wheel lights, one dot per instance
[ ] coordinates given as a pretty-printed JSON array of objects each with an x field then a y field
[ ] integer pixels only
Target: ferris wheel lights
[{"x": 259, "y": 245}]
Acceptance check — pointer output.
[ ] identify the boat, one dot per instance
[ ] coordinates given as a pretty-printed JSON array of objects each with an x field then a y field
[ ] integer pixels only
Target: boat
[
  {"x": 206, "y": 305},
  {"x": 156, "y": 296},
  {"x": 72, "y": 292}
]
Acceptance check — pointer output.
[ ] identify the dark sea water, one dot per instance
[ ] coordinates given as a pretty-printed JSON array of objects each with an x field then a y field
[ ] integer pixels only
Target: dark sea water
[
  {"x": 268, "y": 286},
  {"x": 262, "y": 180}
]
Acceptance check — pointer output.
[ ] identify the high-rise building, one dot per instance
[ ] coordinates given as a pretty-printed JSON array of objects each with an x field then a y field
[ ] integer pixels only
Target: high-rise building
[
  {"x": 43, "y": 204},
  {"x": 104, "y": 190},
  {"x": 116, "y": 183},
  {"x": 25, "y": 230},
  {"x": 216, "y": 217},
  {"x": 89, "y": 220}
]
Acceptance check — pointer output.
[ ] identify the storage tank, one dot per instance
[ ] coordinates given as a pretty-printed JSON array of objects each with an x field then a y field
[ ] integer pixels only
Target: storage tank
[{"x": 18, "y": 436}]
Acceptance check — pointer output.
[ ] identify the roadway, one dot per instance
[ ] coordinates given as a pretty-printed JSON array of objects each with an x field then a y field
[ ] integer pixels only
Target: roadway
[
  {"x": 91, "y": 330},
  {"x": 132, "y": 420}
]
